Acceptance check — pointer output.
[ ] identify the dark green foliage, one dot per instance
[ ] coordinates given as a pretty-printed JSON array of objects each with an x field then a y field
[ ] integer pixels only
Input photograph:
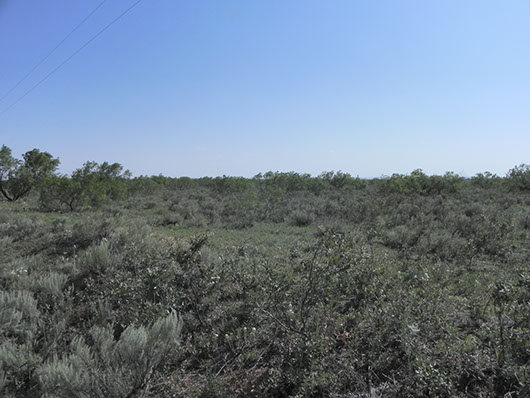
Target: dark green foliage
[
  {"x": 101, "y": 182},
  {"x": 19, "y": 177},
  {"x": 486, "y": 180},
  {"x": 420, "y": 183},
  {"x": 63, "y": 193},
  {"x": 518, "y": 178},
  {"x": 93, "y": 185}
]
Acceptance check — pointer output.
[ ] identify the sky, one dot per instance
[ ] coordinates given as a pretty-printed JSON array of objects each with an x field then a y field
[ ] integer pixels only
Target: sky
[{"x": 238, "y": 87}]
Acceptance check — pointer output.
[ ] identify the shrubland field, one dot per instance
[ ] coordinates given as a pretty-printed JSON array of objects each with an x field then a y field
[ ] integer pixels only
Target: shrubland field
[{"x": 283, "y": 285}]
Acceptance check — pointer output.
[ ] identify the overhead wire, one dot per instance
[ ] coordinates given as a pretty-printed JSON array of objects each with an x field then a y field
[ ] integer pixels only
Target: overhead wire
[
  {"x": 71, "y": 56},
  {"x": 52, "y": 51}
]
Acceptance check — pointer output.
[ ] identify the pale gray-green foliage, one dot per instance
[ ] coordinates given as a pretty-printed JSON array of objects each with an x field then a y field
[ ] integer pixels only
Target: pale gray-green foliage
[
  {"x": 5, "y": 243},
  {"x": 20, "y": 268},
  {"x": 19, "y": 226},
  {"x": 98, "y": 258},
  {"x": 19, "y": 320},
  {"x": 18, "y": 314},
  {"x": 31, "y": 275},
  {"x": 17, "y": 358},
  {"x": 3, "y": 380},
  {"x": 137, "y": 233},
  {"x": 29, "y": 329},
  {"x": 109, "y": 367},
  {"x": 51, "y": 284}
]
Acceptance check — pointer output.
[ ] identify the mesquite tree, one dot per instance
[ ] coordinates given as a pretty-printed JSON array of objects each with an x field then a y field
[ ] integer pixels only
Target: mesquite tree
[{"x": 19, "y": 177}]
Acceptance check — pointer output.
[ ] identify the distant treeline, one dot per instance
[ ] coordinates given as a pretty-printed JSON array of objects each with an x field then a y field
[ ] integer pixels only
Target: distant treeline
[{"x": 94, "y": 184}]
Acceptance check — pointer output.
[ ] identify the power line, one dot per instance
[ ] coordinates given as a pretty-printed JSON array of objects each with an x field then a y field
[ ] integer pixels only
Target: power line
[
  {"x": 71, "y": 56},
  {"x": 52, "y": 51}
]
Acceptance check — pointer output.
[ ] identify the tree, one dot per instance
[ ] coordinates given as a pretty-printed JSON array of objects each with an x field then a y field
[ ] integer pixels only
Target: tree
[
  {"x": 8, "y": 166},
  {"x": 91, "y": 185},
  {"x": 519, "y": 178},
  {"x": 102, "y": 182},
  {"x": 60, "y": 191},
  {"x": 337, "y": 180},
  {"x": 486, "y": 180},
  {"x": 18, "y": 178}
]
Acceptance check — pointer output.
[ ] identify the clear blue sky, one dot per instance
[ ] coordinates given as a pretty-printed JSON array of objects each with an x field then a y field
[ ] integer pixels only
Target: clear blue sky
[{"x": 237, "y": 87}]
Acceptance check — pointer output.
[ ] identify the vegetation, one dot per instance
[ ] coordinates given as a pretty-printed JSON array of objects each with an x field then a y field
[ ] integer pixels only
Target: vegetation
[
  {"x": 17, "y": 177},
  {"x": 282, "y": 285}
]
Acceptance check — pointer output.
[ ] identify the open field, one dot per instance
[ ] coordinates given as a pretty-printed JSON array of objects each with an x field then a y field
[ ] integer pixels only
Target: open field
[{"x": 279, "y": 286}]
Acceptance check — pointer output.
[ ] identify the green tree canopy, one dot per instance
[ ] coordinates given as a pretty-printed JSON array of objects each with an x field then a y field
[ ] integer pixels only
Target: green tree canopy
[
  {"x": 519, "y": 177},
  {"x": 101, "y": 182},
  {"x": 19, "y": 177}
]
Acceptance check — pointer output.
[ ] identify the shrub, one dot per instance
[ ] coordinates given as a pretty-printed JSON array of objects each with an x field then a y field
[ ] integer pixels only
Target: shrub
[
  {"x": 301, "y": 219},
  {"x": 108, "y": 367}
]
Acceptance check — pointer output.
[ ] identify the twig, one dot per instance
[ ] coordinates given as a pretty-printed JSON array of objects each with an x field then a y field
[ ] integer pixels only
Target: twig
[{"x": 286, "y": 327}]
